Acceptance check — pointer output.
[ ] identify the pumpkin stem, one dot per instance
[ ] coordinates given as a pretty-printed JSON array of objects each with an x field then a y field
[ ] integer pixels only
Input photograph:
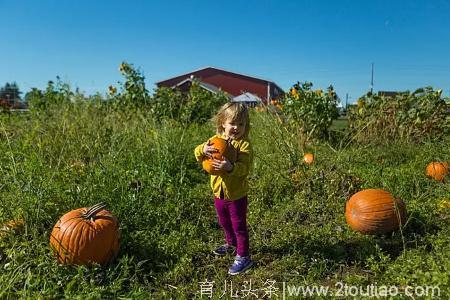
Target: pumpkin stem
[
  {"x": 90, "y": 209},
  {"x": 93, "y": 210}
]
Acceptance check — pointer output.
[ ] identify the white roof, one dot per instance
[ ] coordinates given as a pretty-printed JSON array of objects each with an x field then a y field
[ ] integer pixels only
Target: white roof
[
  {"x": 247, "y": 97},
  {"x": 206, "y": 86}
]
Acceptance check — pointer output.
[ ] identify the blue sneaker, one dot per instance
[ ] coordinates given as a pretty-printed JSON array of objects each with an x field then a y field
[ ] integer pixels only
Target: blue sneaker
[
  {"x": 241, "y": 264},
  {"x": 224, "y": 249}
]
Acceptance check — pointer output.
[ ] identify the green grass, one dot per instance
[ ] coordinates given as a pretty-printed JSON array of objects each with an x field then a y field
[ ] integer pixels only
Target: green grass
[
  {"x": 340, "y": 124},
  {"x": 296, "y": 213}
]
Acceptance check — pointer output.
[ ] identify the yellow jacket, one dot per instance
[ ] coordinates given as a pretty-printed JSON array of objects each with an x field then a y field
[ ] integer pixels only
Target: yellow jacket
[{"x": 232, "y": 185}]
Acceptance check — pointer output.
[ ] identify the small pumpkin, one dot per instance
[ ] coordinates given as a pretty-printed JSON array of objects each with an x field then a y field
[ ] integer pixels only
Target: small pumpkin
[
  {"x": 308, "y": 158},
  {"x": 437, "y": 170},
  {"x": 85, "y": 236},
  {"x": 224, "y": 149},
  {"x": 374, "y": 211}
]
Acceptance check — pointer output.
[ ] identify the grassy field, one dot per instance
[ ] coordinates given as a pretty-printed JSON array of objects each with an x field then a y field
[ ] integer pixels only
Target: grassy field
[
  {"x": 340, "y": 124},
  {"x": 78, "y": 156}
]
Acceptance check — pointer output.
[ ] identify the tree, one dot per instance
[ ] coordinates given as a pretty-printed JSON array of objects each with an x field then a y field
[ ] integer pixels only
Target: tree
[{"x": 10, "y": 92}]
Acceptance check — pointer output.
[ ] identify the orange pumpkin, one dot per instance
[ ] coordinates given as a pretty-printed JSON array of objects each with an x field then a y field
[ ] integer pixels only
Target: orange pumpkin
[
  {"x": 437, "y": 170},
  {"x": 86, "y": 235},
  {"x": 374, "y": 211},
  {"x": 224, "y": 148},
  {"x": 308, "y": 158}
]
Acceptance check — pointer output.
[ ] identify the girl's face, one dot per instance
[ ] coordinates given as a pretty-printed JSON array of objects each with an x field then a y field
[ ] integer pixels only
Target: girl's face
[{"x": 234, "y": 129}]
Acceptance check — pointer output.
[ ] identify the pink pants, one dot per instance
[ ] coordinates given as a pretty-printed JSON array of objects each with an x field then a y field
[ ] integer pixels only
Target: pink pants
[{"x": 232, "y": 217}]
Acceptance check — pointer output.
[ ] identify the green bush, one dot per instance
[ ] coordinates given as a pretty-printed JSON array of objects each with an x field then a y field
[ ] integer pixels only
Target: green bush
[
  {"x": 56, "y": 94},
  {"x": 134, "y": 93},
  {"x": 197, "y": 105},
  {"x": 414, "y": 117},
  {"x": 311, "y": 111}
]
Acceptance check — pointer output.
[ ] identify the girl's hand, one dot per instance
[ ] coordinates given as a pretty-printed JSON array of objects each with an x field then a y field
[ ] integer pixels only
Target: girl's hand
[
  {"x": 208, "y": 149},
  {"x": 223, "y": 164}
]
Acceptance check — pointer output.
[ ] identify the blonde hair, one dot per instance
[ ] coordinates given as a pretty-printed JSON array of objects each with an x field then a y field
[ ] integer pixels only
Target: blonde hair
[{"x": 232, "y": 111}]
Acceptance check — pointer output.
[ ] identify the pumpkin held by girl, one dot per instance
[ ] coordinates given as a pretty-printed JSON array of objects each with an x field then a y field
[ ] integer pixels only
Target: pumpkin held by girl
[{"x": 223, "y": 149}]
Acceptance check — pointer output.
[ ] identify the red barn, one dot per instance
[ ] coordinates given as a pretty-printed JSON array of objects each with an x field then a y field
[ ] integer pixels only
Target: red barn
[{"x": 232, "y": 83}]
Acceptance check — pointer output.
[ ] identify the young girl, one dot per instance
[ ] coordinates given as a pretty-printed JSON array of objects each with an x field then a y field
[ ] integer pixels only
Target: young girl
[{"x": 230, "y": 189}]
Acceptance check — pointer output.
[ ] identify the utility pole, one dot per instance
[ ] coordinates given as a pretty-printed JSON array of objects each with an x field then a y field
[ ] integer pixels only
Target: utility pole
[
  {"x": 371, "y": 82},
  {"x": 346, "y": 100}
]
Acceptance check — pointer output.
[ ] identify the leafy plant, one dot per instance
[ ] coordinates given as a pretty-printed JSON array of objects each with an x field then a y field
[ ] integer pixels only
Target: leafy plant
[
  {"x": 416, "y": 117},
  {"x": 133, "y": 92},
  {"x": 197, "y": 105},
  {"x": 166, "y": 103},
  {"x": 55, "y": 95},
  {"x": 200, "y": 104},
  {"x": 312, "y": 112}
]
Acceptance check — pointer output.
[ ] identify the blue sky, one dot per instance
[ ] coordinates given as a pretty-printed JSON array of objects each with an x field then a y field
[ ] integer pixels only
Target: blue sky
[{"x": 325, "y": 42}]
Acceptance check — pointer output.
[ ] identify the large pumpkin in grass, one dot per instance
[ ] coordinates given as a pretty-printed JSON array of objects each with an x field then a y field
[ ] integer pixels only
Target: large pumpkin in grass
[
  {"x": 85, "y": 236},
  {"x": 437, "y": 170},
  {"x": 374, "y": 211},
  {"x": 224, "y": 148}
]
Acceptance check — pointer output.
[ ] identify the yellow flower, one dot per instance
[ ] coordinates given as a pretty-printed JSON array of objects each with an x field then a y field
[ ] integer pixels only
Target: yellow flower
[
  {"x": 112, "y": 90},
  {"x": 318, "y": 92},
  {"x": 445, "y": 203},
  {"x": 122, "y": 67},
  {"x": 259, "y": 109},
  {"x": 294, "y": 92}
]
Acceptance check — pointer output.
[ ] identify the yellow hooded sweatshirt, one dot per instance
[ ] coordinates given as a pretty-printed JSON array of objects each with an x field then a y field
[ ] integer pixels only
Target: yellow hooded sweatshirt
[{"x": 231, "y": 185}]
